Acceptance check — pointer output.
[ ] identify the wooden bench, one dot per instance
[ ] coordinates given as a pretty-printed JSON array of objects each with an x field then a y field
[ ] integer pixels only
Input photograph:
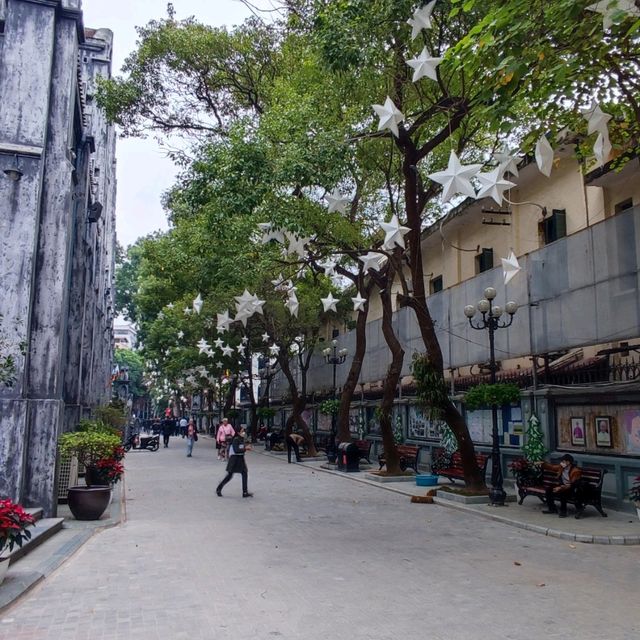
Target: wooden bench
[
  {"x": 364, "y": 449},
  {"x": 591, "y": 481},
  {"x": 455, "y": 471},
  {"x": 409, "y": 455}
]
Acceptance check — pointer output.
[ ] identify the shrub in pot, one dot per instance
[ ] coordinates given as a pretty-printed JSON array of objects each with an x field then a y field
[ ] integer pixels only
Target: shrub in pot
[{"x": 14, "y": 523}]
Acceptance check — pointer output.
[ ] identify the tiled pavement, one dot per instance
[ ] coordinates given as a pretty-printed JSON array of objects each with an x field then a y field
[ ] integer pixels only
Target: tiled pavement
[{"x": 313, "y": 555}]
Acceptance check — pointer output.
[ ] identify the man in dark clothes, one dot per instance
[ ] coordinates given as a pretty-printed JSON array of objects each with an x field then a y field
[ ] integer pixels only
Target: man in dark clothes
[
  {"x": 236, "y": 464},
  {"x": 168, "y": 426}
]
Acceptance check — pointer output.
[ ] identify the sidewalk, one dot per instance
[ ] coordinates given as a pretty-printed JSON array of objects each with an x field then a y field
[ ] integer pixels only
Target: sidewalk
[{"x": 618, "y": 527}]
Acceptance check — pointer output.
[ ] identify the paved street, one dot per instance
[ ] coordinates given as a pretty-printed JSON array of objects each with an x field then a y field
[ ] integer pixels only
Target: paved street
[{"x": 315, "y": 555}]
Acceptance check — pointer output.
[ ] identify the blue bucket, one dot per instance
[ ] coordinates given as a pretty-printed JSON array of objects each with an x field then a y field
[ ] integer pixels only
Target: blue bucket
[{"x": 426, "y": 480}]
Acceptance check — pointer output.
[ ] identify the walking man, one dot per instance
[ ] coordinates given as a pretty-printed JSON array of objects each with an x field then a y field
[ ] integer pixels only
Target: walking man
[{"x": 237, "y": 464}]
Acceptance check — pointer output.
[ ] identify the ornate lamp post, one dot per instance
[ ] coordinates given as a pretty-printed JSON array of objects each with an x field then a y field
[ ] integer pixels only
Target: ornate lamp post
[
  {"x": 490, "y": 320},
  {"x": 334, "y": 357}
]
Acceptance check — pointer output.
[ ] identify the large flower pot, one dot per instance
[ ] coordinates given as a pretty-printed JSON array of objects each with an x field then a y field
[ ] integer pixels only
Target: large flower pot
[
  {"x": 88, "y": 503},
  {"x": 4, "y": 567}
]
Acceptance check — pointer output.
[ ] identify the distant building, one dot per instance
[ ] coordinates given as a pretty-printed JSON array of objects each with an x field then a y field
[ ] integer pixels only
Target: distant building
[
  {"x": 57, "y": 236},
  {"x": 125, "y": 335}
]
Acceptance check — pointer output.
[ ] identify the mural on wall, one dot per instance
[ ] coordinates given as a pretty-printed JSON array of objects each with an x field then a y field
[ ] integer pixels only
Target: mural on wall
[{"x": 606, "y": 428}]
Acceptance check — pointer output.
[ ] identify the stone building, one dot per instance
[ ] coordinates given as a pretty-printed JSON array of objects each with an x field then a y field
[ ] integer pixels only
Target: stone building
[{"x": 57, "y": 236}]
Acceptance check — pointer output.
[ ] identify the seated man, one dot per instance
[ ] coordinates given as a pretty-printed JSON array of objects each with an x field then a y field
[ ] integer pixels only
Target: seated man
[
  {"x": 569, "y": 486},
  {"x": 294, "y": 440}
]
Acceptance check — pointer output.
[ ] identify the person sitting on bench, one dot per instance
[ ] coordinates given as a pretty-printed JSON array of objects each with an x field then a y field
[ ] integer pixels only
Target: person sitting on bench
[
  {"x": 294, "y": 440},
  {"x": 569, "y": 486}
]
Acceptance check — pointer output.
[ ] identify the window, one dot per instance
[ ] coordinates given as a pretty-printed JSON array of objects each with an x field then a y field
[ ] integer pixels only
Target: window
[
  {"x": 484, "y": 261},
  {"x": 624, "y": 205},
  {"x": 554, "y": 227},
  {"x": 435, "y": 284}
]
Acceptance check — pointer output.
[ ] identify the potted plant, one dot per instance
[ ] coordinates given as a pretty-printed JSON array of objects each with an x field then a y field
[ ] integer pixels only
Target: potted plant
[
  {"x": 14, "y": 521},
  {"x": 330, "y": 408},
  {"x": 634, "y": 494},
  {"x": 100, "y": 452},
  {"x": 527, "y": 474}
]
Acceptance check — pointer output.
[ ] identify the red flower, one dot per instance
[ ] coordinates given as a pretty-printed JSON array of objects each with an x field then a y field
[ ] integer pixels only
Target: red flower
[{"x": 14, "y": 521}]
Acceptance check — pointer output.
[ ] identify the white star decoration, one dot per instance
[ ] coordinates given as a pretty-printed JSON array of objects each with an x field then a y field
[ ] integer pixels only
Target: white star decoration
[
  {"x": 218, "y": 343},
  {"x": 223, "y": 320},
  {"x": 296, "y": 244},
  {"x": 602, "y": 147},
  {"x": 508, "y": 162},
  {"x": 337, "y": 202},
  {"x": 227, "y": 350},
  {"x": 358, "y": 302},
  {"x": 510, "y": 266},
  {"x": 544, "y": 156},
  {"x": 180, "y": 335},
  {"x": 390, "y": 116},
  {"x": 187, "y": 311},
  {"x": 265, "y": 337},
  {"x": 202, "y": 345},
  {"x": 596, "y": 118},
  {"x": 197, "y": 304},
  {"x": 329, "y": 303},
  {"x": 456, "y": 179},
  {"x": 609, "y": 8},
  {"x": 372, "y": 260},
  {"x": 393, "y": 233},
  {"x": 170, "y": 305},
  {"x": 269, "y": 232},
  {"x": 421, "y": 19},
  {"x": 274, "y": 349},
  {"x": 493, "y": 185},
  {"x": 424, "y": 66},
  {"x": 293, "y": 305}
]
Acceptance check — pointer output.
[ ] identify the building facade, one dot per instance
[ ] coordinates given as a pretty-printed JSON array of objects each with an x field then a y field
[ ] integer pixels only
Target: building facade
[{"x": 57, "y": 217}]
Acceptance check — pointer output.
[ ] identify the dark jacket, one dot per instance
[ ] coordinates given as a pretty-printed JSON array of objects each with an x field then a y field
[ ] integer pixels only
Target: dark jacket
[
  {"x": 574, "y": 473},
  {"x": 236, "y": 462}
]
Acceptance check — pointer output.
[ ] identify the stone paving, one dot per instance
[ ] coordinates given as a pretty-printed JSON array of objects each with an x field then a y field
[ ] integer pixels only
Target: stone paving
[{"x": 313, "y": 555}]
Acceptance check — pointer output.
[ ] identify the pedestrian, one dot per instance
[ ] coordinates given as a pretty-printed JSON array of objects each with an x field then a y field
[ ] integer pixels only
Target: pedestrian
[
  {"x": 183, "y": 426},
  {"x": 167, "y": 431},
  {"x": 294, "y": 440},
  {"x": 237, "y": 464},
  {"x": 225, "y": 435},
  {"x": 192, "y": 436},
  {"x": 568, "y": 485}
]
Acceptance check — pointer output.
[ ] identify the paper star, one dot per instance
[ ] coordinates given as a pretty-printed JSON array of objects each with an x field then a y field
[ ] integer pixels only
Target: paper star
[
  {"x": 265, "y": 337},
  {"x": 394, "y": 233},
  {"x": 170, "y": 305},
  {"x": 510, "y": 266},
  {"x": 240, "y": 349},
  {"x": 244, "y": 340},
  {"x": 160, "y": 315},
  {"x": 244, "y": 301},
  {"x": 421, "y": 19},
  {"x": 493, "y": 185},
  {"x": 372, "y": 260},
  {"x": 227, "y": 350},
  {"x": 508, "y": 162},
  {"x": 337, "y": 202},
  {"x": 242, "y": 316},
  {"x": 269, "y": 232},
  {"x": 218, "y": 343},
  {"x": 329, "y": 303},
  {"x": 544, "y": 156},
  {"x": 596, "y": 118},
  {"x": 296, "y": 244},
  {"x": 187, "y": 311},
  {"x": 456, "y": 179},
  {"x": 294, "y": 348},
  {"x": 274, "y": 349},
  {"x": 609, "y": 9},
  {"x": 358, "y": 302},
  {"x": 219, "y": 365},
  {"x": 390, "y": 116},
  {"x": 257, "y": 304},
  {"x": 278, "y": 282},
  {"x": 424, "y": 66},
  {"x": 293, "y": 305},
  {"x": 202, "y": 345},
  {"x": 180, "y": 335},
  {"x": 329, "y": 267},
  {"x": 602, "y": 147},
  {"x": 223, "y": 320},
  {"x": 197, "y": 304}
]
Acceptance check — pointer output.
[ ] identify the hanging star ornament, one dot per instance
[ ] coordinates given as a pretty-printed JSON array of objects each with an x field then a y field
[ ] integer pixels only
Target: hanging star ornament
[
  {"x": 180, "y": 335},
  {"x": 424, "y": 66},
  {"x": 296, "y": 244},
  {"x": 358, "y": 302},
  {"x": 611, "y": 10},
  {"x": 265, "y": 337},
  {"x": 507, "y": 161},
  {"x": 329, "y": 303},
  {"x": 596, "y": 118},
  {"x": 293, "y": 305},
  {"x": 170, "y": 305},
  {"x": 197, "y": 304},
  {"x": 421, "y": 19},
  {"x": 372, "y": 260},
  {"x": 493, "y": 185},
  {"x": 394, "y": 233},
  {"x": 544, "y": 156},
  {"x": 187, "y": 311},
  {"x": 390, "y": 116},
  {"x": 227, "y": 350},
  {"x": 457, "y": 178},
  {"x": 602, "y": 147},
  {"x": 223, "y": 320},
  {"x": 218, "y": 343},
  {"x": 510, "y": 266},
  {"x": 202, "y": 345},
  {"x": 337, "y": 202},
  {"x": 274, "y": 349}
]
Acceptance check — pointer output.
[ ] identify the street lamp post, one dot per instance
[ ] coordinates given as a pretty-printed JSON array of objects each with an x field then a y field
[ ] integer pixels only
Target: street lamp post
[
  {"x": 490, "y": 320},
  {"x": 334, "y": 357}
]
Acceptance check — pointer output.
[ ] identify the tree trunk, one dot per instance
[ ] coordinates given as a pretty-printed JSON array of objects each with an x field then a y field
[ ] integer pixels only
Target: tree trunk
[{"x": 392, "y": 379}]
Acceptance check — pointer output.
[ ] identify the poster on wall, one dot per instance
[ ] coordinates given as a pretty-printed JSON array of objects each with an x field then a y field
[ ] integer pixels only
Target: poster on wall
[
  {"x": 373, "y": 422},
  {"x": 577, "y": 431},
  {"x": 307, "y": 416},
  {"x": 324, "y": 422},
  {"x": 631, "y": 426},
  {"x": 422, "y": 427},
  {"x": 354, "y": 423},
  {"x": 603, "y": 431}
]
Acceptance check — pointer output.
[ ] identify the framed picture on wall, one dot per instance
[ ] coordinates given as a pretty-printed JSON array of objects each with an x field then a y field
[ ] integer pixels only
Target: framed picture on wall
[
  {"x": 577, "y": 431},
  {"x": 603, "y": 431}
]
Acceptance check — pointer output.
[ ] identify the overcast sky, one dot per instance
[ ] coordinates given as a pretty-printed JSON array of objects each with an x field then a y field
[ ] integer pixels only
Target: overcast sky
[{"x": 144, "y": 172}]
